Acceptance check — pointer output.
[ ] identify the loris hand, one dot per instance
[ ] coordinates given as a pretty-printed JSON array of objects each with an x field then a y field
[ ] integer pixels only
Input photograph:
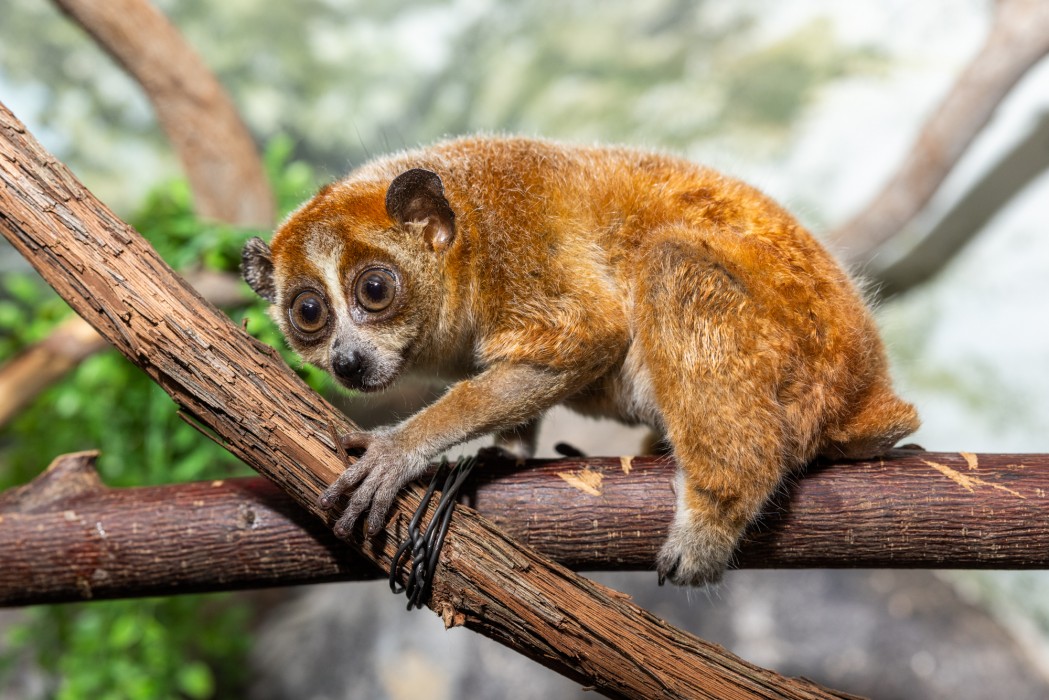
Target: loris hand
[{"x": 379, "y": 474}]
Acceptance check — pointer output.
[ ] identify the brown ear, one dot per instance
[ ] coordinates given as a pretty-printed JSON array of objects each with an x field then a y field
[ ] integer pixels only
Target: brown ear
[
  {"x": 256, "y": 266},
  {"x": 417, "y": 196}
]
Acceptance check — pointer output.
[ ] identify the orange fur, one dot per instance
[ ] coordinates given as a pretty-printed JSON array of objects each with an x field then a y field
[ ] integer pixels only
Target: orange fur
[{"x": 623, "y": 283}]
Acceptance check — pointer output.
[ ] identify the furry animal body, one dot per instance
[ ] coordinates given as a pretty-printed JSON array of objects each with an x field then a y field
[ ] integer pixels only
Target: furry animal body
[{"x": 621, "y": 283}]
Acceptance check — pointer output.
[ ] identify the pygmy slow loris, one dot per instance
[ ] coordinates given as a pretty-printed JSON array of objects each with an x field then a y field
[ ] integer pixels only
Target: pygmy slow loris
[{"x": 618, "y": 282}]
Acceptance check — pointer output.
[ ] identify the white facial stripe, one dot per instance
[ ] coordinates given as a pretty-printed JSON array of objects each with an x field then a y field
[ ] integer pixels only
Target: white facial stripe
[
  {"x": 381, "y": 345},
  {"x": 325, "y": 252}
]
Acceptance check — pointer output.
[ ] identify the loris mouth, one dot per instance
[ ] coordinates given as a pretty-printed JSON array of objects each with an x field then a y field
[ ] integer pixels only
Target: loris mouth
[
  {"x": 368, "y": 382},
  {"x": 368, "y": 386}
]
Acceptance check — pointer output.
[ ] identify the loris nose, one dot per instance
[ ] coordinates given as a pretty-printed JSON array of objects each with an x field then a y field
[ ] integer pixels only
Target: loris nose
[{"x": 349, "y": 366}]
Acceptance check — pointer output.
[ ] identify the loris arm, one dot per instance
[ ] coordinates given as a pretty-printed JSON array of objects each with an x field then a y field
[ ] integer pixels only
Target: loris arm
[{"x": 504, "y": 395}]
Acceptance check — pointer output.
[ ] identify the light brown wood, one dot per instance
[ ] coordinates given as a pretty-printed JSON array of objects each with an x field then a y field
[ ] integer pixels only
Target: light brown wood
[
  {"x": 217, "y": 153},
  {"x": 1019, "y": 38},
  {"x": 216, "y": 150},
  {"x": 26, "y": 375},
  {"x": 243, "y": 393},
  {"x": 34, "y": 369}
]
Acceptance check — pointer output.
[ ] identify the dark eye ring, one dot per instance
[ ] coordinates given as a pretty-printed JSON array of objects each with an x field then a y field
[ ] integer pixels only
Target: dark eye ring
[
  {"x": 375, "y": 289},
  {"x": 308, "y": 312}
]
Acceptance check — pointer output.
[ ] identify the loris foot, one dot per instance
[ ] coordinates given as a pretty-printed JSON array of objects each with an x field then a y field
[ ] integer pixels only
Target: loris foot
[{"x": 695, "y": 554}]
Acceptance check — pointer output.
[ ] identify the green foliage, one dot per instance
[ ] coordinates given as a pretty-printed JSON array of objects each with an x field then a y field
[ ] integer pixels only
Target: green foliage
[
  {"x": 771, "y": 86},
  {"x": 109, "y": 404},
  {"x": 187, "y": 647}
]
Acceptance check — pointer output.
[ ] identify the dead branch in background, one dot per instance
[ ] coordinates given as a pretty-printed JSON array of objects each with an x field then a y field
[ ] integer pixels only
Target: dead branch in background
[
  {"x": 946, "y": 135},
  {"x": 1024, "y": 162},
  {"x": 216, "y": 150},
  {"x": 73, "y": 538},
  {"x": 1018, "y": 39},
  {"x": 246, "y": 398}
]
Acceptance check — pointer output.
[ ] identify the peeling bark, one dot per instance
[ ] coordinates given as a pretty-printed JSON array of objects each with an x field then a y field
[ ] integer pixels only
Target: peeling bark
[
  {"x": 216, "y": 150},
  {"x": 38, "y": 366}
]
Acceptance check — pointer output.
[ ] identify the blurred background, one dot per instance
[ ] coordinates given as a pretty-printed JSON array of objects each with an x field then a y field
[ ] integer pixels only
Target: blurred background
[{"x": 814, "y": 101}]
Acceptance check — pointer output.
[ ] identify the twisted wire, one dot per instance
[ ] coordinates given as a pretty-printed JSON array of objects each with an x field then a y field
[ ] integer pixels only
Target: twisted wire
[{"x": 425, "y": 546}]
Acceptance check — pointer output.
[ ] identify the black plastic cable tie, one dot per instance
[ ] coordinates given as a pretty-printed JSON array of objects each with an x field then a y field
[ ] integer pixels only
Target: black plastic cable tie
[{"x": 566, "y": 450}]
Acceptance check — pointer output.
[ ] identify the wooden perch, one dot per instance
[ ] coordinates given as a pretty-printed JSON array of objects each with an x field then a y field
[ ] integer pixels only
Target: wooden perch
[
  {"x": 72, "y": 538},
  {"x": 246, "y": 397},
  {"x": 225, "y": 173},
  {"x": 1018, "y": 39},
  {"x": 26, "y": 375}
]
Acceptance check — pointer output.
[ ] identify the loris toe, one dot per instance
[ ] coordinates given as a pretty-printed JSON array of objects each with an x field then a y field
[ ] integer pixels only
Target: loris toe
[{"x": 693, "y": 555}]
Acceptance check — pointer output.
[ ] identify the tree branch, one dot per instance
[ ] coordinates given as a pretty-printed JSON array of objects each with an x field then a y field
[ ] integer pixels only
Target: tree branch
[
  {"x": 243, "y": 392},
  {"x": 76, "y": 539},
  {"x": 38, "y": 366},
  {"x": 1024, "y": 162},
  {"x": 217, "y": 152},
  {"x": 1018, "y": 39}
]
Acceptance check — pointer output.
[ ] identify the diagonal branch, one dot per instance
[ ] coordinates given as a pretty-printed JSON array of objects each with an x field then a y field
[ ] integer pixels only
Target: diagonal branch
[
  {"x": 960, "y": 224},
  {"x": 217, "y": 152},
  {"x": 1018, "y": 39},
  {"x": 38, "y": 366},
  {"x": 262, "y": 413}
]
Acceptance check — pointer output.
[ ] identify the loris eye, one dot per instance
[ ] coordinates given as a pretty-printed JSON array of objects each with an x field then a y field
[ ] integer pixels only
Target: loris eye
[
  {"x": 375, "y": 289},
  {"x": 308, "y": 313}
]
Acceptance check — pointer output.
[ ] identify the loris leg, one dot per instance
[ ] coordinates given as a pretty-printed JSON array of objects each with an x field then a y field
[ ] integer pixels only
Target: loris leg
[{"x": 714, "y": 385}]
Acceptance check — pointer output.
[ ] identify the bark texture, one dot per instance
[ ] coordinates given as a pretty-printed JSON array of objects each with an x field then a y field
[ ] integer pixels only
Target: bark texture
[
  {"x": 217, "y": 153},
  {"x": 72, "y": 538},
  {"x": 244, "y": 394},
  {"x": 38, "y": 366}
]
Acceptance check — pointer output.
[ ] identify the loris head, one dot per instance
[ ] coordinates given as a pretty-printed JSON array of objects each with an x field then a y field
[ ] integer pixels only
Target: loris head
[{"x": 353, "y": 275}]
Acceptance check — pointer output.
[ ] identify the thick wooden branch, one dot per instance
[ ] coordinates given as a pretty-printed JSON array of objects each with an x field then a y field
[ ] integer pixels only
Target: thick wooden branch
[
  {"x": 1018, "y": 39},
  {"x": 217, "y": 153},
  {"x": 38, "y": 366},
  {"x": 71, "y": 538},
  {"x": 243, "y": 392},
  {"x": 216, "y": 150}
]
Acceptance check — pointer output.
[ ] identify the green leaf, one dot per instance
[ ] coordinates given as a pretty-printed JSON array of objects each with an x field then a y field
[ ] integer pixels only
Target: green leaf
[
  {"x": 124, "y": 632},
  {"x": 187, "y": 646},
  {"x": 195, "y": 680}
]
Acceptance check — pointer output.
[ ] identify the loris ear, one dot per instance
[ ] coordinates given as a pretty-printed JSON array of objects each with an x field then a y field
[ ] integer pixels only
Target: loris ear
[
  {"x": 417, "y": 196},
  {"x": 256, "y": 266}
]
